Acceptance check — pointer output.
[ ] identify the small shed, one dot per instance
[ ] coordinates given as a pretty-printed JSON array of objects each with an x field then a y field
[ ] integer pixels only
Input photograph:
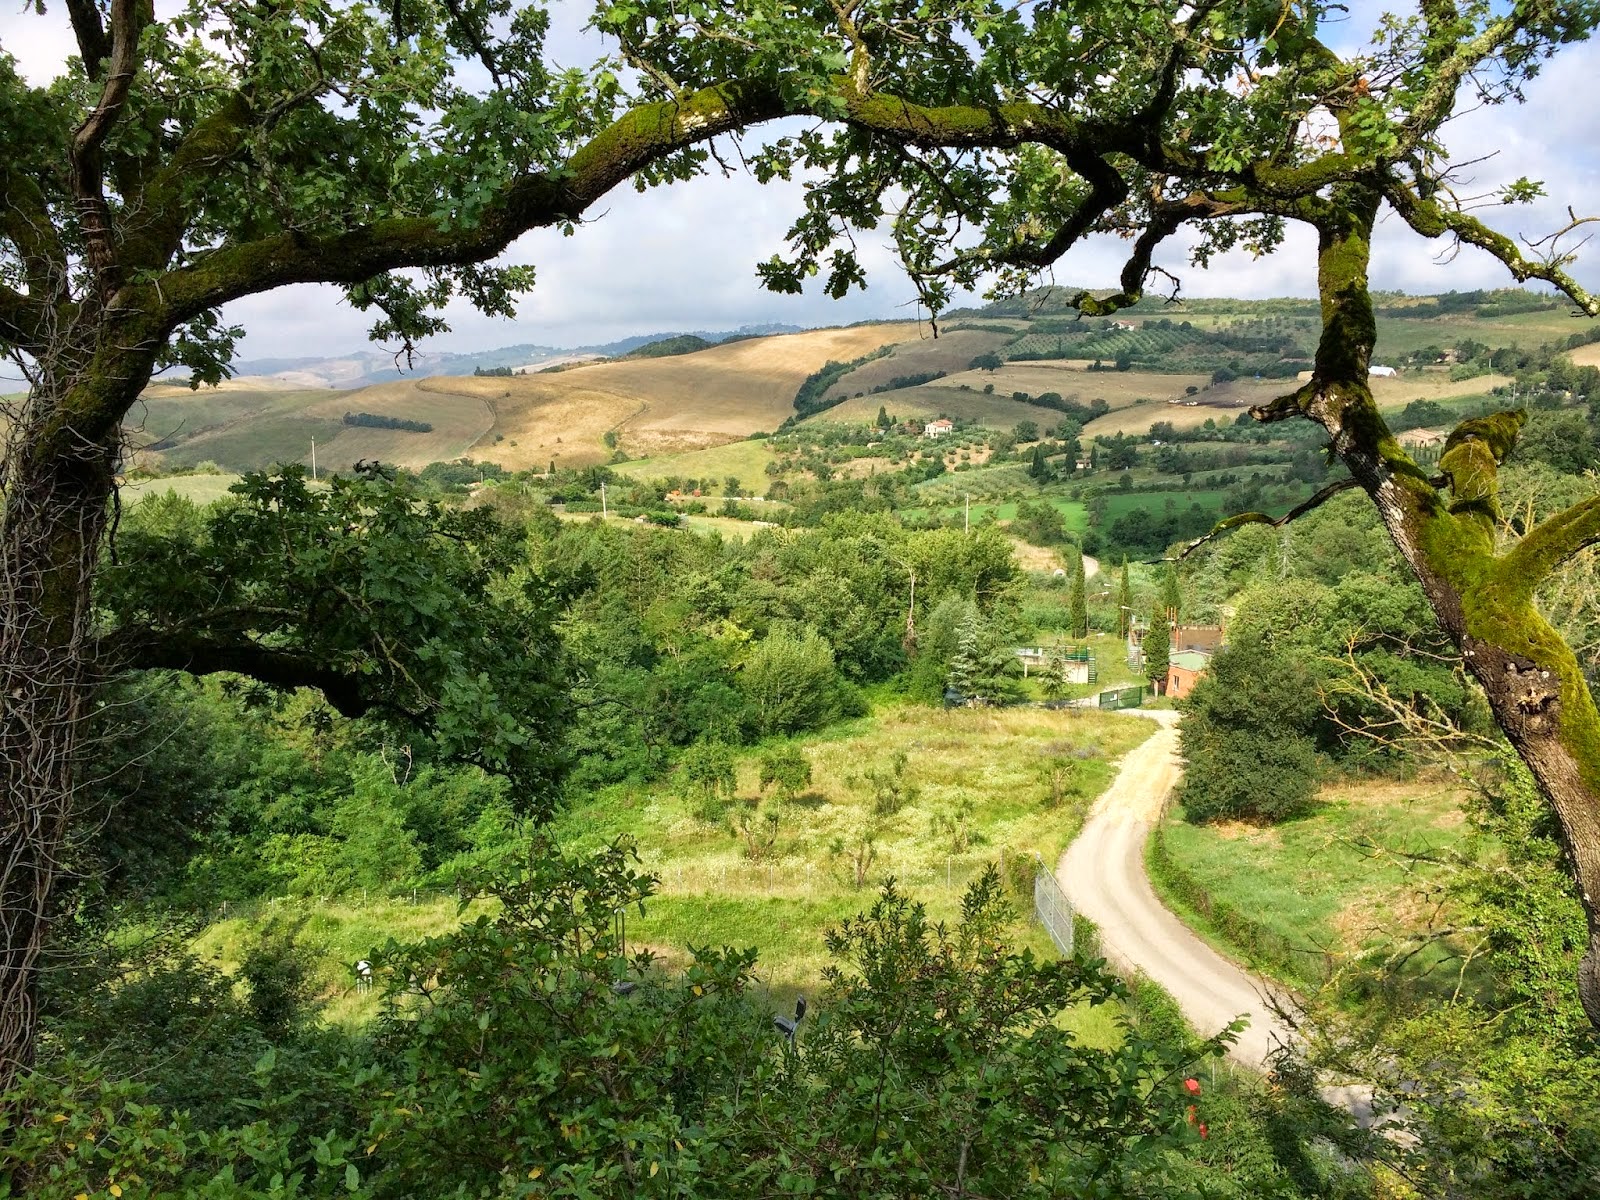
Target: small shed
[{"x": 1183, "y": 671}]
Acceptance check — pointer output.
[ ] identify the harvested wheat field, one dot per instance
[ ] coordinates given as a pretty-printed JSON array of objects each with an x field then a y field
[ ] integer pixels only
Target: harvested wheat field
[
  {"x": 950, "y": 353},
  {"x": 665, "y": 405},
  {"x": 929, "y": 401},
  {"x": 654, "y": 405}
]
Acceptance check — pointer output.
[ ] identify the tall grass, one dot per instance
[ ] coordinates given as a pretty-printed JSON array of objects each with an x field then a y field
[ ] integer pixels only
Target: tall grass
[{"x": 980, "y": 797}]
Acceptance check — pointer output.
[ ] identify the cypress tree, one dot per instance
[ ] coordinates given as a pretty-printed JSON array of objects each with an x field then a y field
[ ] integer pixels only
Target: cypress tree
[
  {"x": 1080, "y": 602},
  {"x": 1037, "y": 468},
  {"x": 1157, "y": 648},
  {"x": 1124, "y": 601},
  {"x": 1171, "y": 594}
]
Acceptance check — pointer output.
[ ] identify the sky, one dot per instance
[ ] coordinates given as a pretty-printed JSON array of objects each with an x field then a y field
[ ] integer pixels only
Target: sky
[{"x": 684, "y": 257}]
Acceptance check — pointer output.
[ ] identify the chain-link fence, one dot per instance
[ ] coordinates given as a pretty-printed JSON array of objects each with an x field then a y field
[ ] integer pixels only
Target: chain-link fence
[{"x": 1053, "y": 909}]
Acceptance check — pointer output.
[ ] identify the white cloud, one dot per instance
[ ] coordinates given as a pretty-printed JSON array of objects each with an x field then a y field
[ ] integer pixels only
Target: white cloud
[{"x": 684, "y": 257}]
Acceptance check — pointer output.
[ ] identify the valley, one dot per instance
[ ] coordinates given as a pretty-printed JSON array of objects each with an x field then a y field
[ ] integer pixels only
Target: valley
[{"x": 832, "y": 623}]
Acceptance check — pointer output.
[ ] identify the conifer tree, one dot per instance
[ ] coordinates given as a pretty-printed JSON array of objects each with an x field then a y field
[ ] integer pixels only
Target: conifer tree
[
  {"x": 1124, "y": 601},
  {"x": 1157, "y": 647},
  {"x": 1172, "y": 594},
  {"x": 1080, "y": 603},
  {"x": 964, "y": 664}
]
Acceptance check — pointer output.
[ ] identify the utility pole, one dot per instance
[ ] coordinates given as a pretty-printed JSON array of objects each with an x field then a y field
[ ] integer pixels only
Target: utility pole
[
  {"x": 604, "y": 511},
  {"x": 313, "y": 460},
  {"x": 966, "y": 526}
]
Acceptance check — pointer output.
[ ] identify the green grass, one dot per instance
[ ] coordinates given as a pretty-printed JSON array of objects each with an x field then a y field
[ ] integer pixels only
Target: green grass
[
  {"x": 1338, "y": 879},
  {"x": 202, "y": 489},
  {"x": 1076, "y": 514},
  {"x": 344, "y": 929},
  {"x": 712, "y": 894},
  {"x": 1120, "y": 504},
  {"x": 747, "y": 460},
  {"x": 1527, "y": 330}
]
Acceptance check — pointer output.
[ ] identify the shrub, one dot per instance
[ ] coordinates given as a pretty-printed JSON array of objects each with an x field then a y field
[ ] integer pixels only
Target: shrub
[
  {"x": 787, "y": 769},
  {"x": 1248, "y": 739},
  {"x": 790, "y": 682}
]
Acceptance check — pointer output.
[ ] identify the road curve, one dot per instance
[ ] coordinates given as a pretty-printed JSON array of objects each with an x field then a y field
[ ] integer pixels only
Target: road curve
[{"x": 1103, "y": 872}]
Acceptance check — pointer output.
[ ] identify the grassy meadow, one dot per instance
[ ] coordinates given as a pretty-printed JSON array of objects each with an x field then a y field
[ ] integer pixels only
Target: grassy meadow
[
  {"x": 990, "y": 760},
  {"x": 202, "y": 489},
  {"x": 1074, "y": 511},
  {"x": 1338, "y": 880},
  {"x": 978, "y": 791},
  {"x": 744, "y": 460}
]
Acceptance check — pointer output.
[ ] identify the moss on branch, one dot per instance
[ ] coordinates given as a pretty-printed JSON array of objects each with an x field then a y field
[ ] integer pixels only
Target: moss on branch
[
  {"x": 1553, "y": 541},
  {"x": 1471, "y": 461}
]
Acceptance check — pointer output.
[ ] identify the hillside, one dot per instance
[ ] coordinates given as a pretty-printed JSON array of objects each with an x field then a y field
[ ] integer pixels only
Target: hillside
[
  {"x": 371, "y": 365},
  {"x": 1205, "y": 360},
  {"x": 655, "y": 405}
]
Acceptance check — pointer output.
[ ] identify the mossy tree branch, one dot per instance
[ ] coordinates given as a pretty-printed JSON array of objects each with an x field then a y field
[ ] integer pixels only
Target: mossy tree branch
[
  {"x": 1471, "y": 463},
  {"x": 1432, "y": 218},
  {"x": 1316, "y": 500},
  {"x": 1483, "y": 602},
  {"x": 1552, "y": 542}
]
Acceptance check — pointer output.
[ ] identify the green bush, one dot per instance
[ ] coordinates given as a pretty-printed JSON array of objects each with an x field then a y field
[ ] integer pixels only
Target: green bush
[
  {"x": 790, "y": 682},
  {"x": 1248, "y": 738}
]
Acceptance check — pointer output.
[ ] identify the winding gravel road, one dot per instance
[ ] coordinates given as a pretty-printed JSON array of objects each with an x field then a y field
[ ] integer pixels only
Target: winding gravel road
[{"x": 1103, "y": 872}]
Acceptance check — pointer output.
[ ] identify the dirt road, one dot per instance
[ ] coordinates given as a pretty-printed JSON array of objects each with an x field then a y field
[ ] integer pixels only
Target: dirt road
[{"x": 1103, "y": 872}]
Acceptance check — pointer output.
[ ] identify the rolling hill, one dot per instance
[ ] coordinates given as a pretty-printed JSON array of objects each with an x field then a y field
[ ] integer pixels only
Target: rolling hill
[
  {"x": 1184, "y": 365},
  {"x": 654, "y": 405}
]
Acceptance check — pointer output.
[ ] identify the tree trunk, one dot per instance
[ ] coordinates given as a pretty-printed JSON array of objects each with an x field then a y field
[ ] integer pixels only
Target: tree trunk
[
  {"x": 57, "y": 484},
  {"x": 1534, "y": 684}
]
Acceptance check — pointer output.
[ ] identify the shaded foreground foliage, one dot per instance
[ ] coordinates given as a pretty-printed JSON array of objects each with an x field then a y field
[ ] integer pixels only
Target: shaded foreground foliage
[{"x": 532, "y": 1052}]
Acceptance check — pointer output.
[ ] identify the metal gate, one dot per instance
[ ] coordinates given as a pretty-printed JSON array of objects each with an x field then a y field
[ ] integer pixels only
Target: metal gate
[{"x": 1128, "y": 697}]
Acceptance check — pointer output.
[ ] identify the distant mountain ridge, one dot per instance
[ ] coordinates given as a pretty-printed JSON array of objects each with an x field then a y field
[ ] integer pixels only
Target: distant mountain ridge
[{"x": 367, "y": 366}]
